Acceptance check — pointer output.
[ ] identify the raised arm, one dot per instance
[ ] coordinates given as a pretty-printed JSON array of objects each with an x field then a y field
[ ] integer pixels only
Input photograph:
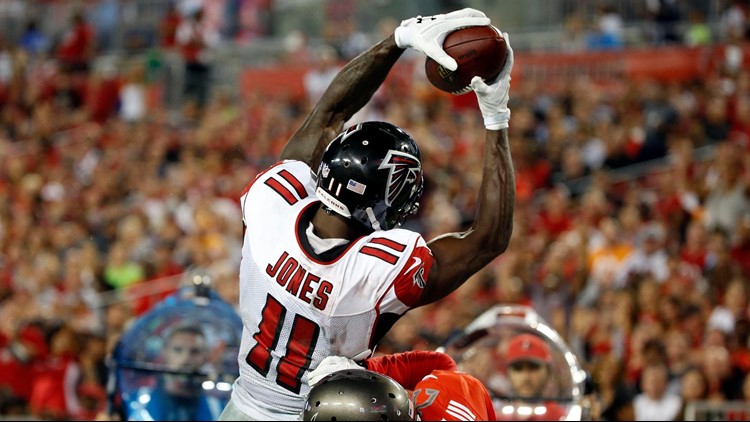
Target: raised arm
[
  {"x": 356, "y": 83},
  {"x": 349, "y": 91},
  {"x": 457, "y": 256}
]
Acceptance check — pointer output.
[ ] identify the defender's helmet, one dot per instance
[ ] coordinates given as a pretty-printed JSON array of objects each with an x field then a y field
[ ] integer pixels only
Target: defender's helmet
[
  {"x": 358, "y": 395},
  {"x": 372, "y": 174}
]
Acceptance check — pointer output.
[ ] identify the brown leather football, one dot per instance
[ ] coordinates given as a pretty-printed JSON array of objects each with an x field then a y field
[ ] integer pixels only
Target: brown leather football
[{"x": 478, "y": 50}]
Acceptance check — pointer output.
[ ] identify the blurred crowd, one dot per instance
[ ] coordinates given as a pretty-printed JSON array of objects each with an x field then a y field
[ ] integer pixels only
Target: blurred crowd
[{"x": 105, "y": 194}]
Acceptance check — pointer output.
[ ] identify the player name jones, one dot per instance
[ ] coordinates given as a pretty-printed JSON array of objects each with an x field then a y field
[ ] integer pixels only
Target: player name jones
[{"x": 297, "y": 281}]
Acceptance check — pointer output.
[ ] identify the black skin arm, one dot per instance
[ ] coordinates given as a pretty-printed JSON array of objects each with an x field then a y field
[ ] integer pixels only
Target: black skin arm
[
  {"x": 457, "y": 256},
  {"x": 349, "y": 91}
]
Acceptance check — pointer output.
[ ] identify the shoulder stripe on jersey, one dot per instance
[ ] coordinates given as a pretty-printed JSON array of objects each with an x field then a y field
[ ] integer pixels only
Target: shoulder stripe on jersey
[
  {"x": 379, "y": 253},
  {"x": 257, "y": 176},
  {"x": 281, "y": 190},
  {"x": 389, "y": 243},
  {"x": 459, "y": 411},
  {"x": 296, "y": 184}
]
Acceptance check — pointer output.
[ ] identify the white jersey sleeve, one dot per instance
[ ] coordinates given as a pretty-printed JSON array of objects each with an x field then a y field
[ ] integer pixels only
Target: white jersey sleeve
[{"x": 298, "y": 306}]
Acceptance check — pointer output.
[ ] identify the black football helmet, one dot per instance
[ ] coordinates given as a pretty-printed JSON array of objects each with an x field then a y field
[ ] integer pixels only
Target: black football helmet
[
  {"x": 372, "y": 174},
  {"x": 358, "y": 395}
]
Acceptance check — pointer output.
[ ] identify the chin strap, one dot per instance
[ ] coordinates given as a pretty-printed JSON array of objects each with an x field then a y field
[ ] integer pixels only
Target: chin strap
[{"x": 373, "y": 220}]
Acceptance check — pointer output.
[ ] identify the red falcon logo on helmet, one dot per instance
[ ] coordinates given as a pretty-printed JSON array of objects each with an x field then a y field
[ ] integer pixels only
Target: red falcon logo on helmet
[{"x": 402, "y": 168}]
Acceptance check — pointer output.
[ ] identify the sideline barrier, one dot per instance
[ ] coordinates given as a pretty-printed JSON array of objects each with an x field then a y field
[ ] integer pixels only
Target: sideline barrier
[
  {"x": 736, "y": 410},
  {"x": 677, "y": 64}
]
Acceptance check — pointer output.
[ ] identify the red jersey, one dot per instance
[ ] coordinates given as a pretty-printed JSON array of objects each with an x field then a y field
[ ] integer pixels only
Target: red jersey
[
  {"x": 409, "y": 368},
  {"x": 440, "y": 391},
  {"x": 75, "y": 44},
  {"x": 453, "y": 396}
]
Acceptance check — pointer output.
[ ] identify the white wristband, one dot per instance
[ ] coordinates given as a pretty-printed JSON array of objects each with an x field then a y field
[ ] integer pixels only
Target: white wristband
[{"x": 498, "y": 120}]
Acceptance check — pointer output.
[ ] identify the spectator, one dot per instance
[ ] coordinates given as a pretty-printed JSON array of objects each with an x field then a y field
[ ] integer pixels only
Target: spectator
[
  {"x": 196, "y": 41},
  {"x": 650, "y": 259},
  {"x": 606, "y": 33},
  {"x": 666, "y": 14},
  {"x": 614, "y": 394},
  {"x": 740, "y": 249},
  {"x": 655, "y": 403},
  {"x": 716, "y": 124},
  {"x": 529, "y": 375},
  {"x": 105, "y": 15},
  {"x": 723, "y": 379},
  {"x": 698, "y": 33},
  {"x": 120, "y": 271},
  {"x": 693, "y": 250},
  {"x": 693, "y": 387},
  {"x": 133, "y": 94},
  {"x": 607, "y": 255},
  {"x": 178, "y": 396},
  {"x": 558, "y": 275},
  {"x": 728, "y": 201},
  {"x": 21, "y": 358},
  {"x": 33, "y": 40},
  {"x": 720, "y": 268},
  {"x": 168, "y": 26},
  {"x": 734, "y": 20},
  {"x": 555, "y": 217},
  {"x": 353, "y": 41},
  {"x": 574, "y": 38},
  {"x": 77, "y": 47},
  {"x": 732, "y": 306},
  {"x": 321, "y": 73},
  {"x": 677, "y": 347},
  {"x": 54, "y": 393}
]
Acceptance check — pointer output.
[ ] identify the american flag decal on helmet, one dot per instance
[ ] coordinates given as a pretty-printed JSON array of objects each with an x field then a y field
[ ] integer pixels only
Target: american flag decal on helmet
[{"x": 402, "y": 168}]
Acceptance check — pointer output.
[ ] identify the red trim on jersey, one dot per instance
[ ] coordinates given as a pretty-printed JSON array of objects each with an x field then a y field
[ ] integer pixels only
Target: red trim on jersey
[
  {"x": 257, "y": 176},
  {"x": 281, "y": 190},
  {"x": 389, "y": 243},
  {"x": 411, "y": 281},
  {"x": 409, "y": 368},
  {"x": 302, "y": 248},
  {"x": 393, "y": 283},
  {"x": 378, "y": 253},
  {"x": 295, "y": 183}
]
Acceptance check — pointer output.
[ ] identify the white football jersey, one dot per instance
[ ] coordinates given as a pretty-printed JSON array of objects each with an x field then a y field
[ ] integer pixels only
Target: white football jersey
[{"x": 298, "y": 306}]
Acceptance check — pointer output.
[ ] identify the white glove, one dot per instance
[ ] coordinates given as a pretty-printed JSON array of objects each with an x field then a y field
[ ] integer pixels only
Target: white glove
[
  {"x": 493, "y": 99},
  {"x": 330, "y": 365},
  {"x": 427, "y": 33}
]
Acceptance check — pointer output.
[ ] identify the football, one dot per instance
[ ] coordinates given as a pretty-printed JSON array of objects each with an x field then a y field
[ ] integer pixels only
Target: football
[{"x": 478, "y": 50}]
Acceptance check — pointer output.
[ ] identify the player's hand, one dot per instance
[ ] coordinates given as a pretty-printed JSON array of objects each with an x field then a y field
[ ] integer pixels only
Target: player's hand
[
  {"x": 493, "y": 98},
  {"x": 330, "y": 365},
  {"x": 427, "y": 33}
]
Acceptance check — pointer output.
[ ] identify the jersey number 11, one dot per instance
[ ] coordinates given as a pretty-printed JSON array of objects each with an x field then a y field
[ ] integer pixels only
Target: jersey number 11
[{"x": 299, "y": 348}]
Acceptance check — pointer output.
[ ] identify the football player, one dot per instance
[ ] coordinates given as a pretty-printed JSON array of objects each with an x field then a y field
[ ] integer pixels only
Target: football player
[
  {"x": 439, "y": 391},
  {"x": 358, "y": 394},
  {"x": 326, "y": 269}
]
